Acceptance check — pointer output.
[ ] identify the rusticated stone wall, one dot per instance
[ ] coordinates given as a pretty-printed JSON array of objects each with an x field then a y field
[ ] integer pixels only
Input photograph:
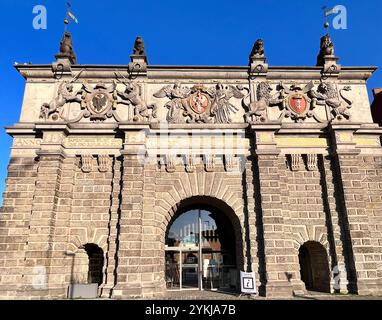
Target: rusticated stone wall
[
  {"x": 52, "y": 209},
  {"x": 15, "y": 220}
]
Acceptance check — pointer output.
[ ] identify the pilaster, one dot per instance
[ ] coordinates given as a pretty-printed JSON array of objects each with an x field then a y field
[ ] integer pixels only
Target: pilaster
[
  {"x": 41, "y": 277},
  {"x": 362, "y": 268},
  {"x": 129, "y": 242},
  {"x": 276, "y": 246}
]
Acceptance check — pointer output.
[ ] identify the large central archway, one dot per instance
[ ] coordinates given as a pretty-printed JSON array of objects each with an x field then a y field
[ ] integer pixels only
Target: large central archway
[{"x": 203, "y": 246}]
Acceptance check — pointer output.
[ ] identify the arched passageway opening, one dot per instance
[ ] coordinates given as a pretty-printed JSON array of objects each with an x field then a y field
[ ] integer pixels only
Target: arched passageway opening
[
  {"x": 314, "y": 267},
  {"x": 203, "y": 246}
]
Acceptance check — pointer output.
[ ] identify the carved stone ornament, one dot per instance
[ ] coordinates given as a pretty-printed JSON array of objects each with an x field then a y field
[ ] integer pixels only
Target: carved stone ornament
[
  {"x": 66, "y": 49},
  {"x": 297, "y": 104},
  {"x": 200, "y": 104},
  {"x": 209, "y": 162},
  {"x": 257, "y": 107},
  {"x": 99, "y": 101},
  {"x": 170, "y": 163},
  {"x": 328, "y": 95},
  {"x": 231, "y": 163},
  {"x": 326, "y": 50},
  {"x": 138, "y": 64},
  {"x": 132, "y": 96},
  {"x": 86, "y": 163},
  {"x": 257, "y": 50},
  {"x": 65, "y": 94},
  {"x": 311, "y": 162},
  {"x": 295, "y": 160},
  {"x": 139, "y": 47},
  {"x": 189, "y": 163},
  {"x": 103, "y": 163}
]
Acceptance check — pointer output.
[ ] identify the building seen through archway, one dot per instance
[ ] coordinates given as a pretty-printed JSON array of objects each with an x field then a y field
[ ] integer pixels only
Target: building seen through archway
[{"x": 200, "y": 251}]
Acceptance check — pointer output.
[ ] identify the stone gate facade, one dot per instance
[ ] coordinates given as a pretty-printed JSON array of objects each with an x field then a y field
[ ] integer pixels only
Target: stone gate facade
[{"x": 106, "y": 155}]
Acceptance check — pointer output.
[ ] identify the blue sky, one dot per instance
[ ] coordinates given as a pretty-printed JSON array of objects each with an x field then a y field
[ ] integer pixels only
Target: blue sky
[{"x": 180, "y": 32}]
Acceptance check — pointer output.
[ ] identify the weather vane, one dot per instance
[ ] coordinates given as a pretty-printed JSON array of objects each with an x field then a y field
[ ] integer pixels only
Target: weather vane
[
  {"x": 69, "y": 15},
  {"x": 328, "y": 13}
]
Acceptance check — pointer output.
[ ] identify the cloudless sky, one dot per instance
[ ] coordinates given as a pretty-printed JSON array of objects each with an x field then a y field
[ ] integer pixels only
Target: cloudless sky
[{"x": 182, "y": 32}]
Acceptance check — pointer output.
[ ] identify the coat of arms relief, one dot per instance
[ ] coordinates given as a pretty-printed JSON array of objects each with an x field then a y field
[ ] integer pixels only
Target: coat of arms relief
[
  {"x": 99, "y": 102},
  {"x": 200, "y": 104},
  {"x": 298, "y": 102}
]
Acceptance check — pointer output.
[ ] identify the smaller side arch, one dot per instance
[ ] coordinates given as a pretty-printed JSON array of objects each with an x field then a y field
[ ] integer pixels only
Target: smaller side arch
[
  {"x": 88, "y": 263},
  {"x": 314, "y": 266}
]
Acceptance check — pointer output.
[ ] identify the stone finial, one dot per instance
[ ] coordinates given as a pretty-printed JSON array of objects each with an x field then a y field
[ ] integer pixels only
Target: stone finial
[
  {"x": 139, "y": 61},
  {"x": 66, "y": 49},
  {"x": 139, "y": 47},
  {"x": 258, "y": 50},
  {"x": 257, "y": 59},
  {"x": 326, "y": 57},
  {"x": 66, "y": 57},
  {"x": 326, "y": 50}
]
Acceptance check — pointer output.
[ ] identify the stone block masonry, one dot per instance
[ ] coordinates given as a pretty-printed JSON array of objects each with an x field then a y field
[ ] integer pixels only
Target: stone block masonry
[{"x": 284, "y": 164}]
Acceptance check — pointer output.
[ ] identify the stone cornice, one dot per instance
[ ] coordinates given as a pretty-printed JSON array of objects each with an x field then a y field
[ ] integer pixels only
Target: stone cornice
[
  {"x": 44, "y": 72},
  {"x": 112, "y": 128}
]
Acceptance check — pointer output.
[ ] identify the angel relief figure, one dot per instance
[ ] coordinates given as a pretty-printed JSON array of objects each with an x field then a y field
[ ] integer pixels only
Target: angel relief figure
[
  {"x": 176, "y": 107},
  {"x": 221, "y": 107}
]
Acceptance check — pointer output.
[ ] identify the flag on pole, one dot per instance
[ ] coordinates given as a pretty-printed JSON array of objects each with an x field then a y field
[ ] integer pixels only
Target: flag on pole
[
  {"x": 72, "y": 16},
  {"x": 330, "y": 12}
]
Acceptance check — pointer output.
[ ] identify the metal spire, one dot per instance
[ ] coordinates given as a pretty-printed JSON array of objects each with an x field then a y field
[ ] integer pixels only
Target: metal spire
[
  {"x": 66, "y": 21},
  {"x": 326, "y": 24}
]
